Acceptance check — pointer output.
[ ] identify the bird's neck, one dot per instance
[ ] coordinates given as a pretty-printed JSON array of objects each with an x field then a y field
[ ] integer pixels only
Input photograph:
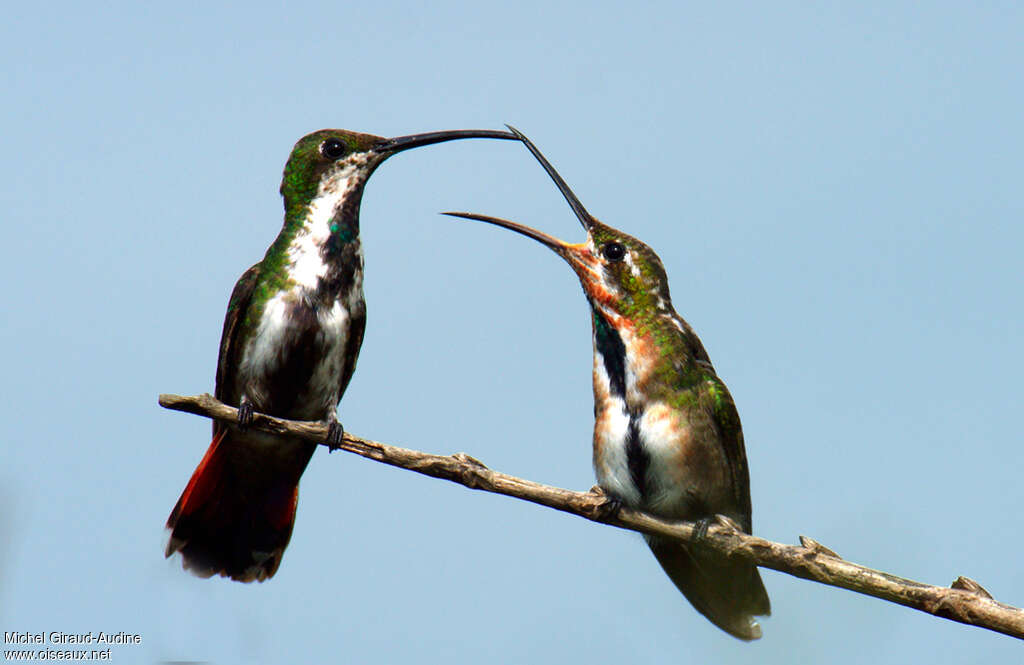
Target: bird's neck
[
  {"x": 318, "y": 249},
  {"x": 641, "y": 361}
]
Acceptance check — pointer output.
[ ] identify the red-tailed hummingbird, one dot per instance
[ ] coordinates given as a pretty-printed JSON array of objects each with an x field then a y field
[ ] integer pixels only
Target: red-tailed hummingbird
[{"x": 292, "y": 333}]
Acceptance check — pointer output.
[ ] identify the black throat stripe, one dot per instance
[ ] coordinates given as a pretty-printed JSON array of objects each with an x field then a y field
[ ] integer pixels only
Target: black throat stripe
[
  {"x": 613, "y": 352},
  {"x": 637, "y": 458}
]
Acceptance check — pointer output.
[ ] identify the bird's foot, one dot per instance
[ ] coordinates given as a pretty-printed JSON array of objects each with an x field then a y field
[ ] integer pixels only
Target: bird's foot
[
  {"x": 702, "y": 525},
  {"x": 700, "y": 531},
  {"x": 335, "y": 435},
  {"x": 245, "y": 414},
  {"x": 729, "y": 523},
  {"x": 609, "y": 507}
]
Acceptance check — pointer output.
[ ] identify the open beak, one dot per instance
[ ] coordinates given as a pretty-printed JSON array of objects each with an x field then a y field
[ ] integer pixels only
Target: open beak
[
  {"x": 578, "y": 256},
  {"x": 560, "y": 246},
  {"x": 400, "y": 143},
  {"x": 581, "y": 213}
]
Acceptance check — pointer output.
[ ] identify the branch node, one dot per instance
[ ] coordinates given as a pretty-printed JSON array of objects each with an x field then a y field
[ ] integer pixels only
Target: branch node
[
  {"x": 967, "y": 584},
  {"x": 817, "y": 548},
  {"x": 474, "y": 477},
  {"x": 468, "y": 459}
]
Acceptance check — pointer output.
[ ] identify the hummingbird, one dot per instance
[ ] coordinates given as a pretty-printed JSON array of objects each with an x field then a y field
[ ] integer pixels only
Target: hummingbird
[
  {"x": 291, "y": 336},
  {"x": 667, "y": 436}
]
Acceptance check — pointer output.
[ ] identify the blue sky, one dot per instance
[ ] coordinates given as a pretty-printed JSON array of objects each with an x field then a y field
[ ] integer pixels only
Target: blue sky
[{"x": 834, "y": 191}]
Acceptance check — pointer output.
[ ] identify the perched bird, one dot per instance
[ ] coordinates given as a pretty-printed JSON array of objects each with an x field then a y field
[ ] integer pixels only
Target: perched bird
[
  {"x": 291, "y": 337},
  {"x": 667, "y": 437}
]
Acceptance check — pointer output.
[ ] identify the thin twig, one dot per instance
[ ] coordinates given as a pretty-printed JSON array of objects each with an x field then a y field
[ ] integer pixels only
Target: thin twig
[{"x": 966, "y": 602}]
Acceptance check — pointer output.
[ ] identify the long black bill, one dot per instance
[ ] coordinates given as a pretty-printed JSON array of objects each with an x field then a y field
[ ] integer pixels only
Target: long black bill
[
  {"x": 400, "y": 143},
  {"x": 574, "y": 203},
  {"x": 554, "y": 243}
]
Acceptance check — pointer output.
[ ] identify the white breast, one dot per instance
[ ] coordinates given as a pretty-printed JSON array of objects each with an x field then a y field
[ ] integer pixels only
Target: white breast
[
  {"x": 666, "y": 441},
  {"x": 272, "y": 343},
  {"x": 611, "y": 431},
  {"x": 263, "y": 354},
  {"x": 307, "y": 265}
]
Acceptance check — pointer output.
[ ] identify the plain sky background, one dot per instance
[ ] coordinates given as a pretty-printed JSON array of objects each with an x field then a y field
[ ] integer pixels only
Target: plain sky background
[{"x": 835, "y": 192}]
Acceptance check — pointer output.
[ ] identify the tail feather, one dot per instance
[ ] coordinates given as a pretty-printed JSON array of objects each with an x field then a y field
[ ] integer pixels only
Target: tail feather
[
  {"x": 234, "y": 518},
  {"x": 729, "y": 592}
]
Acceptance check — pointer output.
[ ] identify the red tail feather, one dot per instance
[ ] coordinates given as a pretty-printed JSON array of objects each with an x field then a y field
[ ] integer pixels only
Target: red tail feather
[
  {"x": 203, "y": 482},
  {"x": 235, "y": 517}
]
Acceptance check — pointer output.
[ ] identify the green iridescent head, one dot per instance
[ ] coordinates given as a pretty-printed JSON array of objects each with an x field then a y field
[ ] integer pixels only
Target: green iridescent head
[{"x": 318, "y": 156}]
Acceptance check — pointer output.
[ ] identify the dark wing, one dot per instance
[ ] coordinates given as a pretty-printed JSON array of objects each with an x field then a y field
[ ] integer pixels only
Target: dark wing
[
  {"x": 230, "y": 344},
  {"x": 693, "y": 344},
  {"x": 724, "y": 416},
  {"x": 357, "y": 326},
  {"x": 727, "y": 422}
]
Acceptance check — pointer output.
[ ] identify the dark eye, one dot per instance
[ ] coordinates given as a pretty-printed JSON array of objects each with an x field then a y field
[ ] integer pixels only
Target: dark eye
[
  {"x": 613, "y": 251},
  {"x": 333, "y": 149}
]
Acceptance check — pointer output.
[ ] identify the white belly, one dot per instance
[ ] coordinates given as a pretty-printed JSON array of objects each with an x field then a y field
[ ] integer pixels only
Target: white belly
[
  {"x": 611, "y": 460},
  {"x": 280, "y": 339},
  {"x": 669, "y": 461}
]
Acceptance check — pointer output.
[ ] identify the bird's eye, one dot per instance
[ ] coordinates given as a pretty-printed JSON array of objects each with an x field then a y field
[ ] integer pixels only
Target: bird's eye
[
  {"x": 333, "y": 149},
  {"x": 614, "y": 251}
]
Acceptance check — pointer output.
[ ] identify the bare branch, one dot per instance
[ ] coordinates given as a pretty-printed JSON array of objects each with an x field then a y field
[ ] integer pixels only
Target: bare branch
[{"x": 966, "y": 602}]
